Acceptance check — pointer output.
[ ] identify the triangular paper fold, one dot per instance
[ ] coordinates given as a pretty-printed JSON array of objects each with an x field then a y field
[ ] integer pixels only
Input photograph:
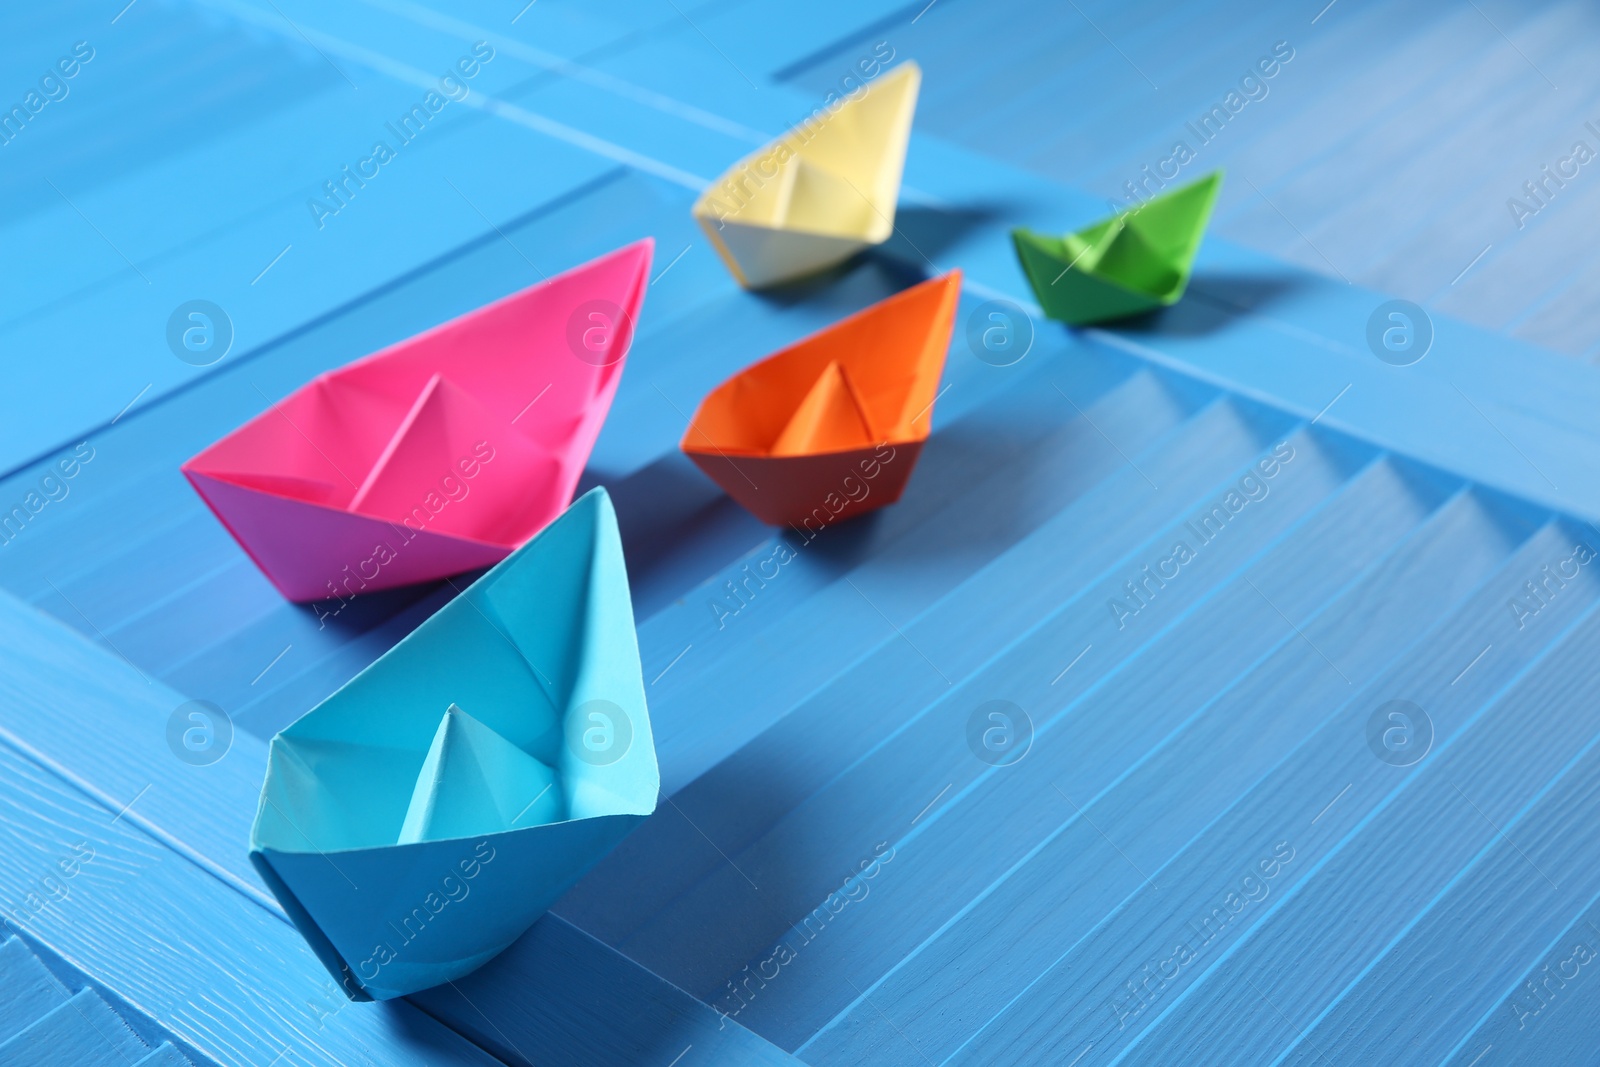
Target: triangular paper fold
[
  {"x": 438, "y": 454},
  {"x": 1130, "y": 263},
  {"x": 476, "y": 782},
  {"x": 829, "y": 419},
  {"x": 831, "y": 426},
  {"x": 410, "y": 839},
  {"x": 818, "y": 194}
]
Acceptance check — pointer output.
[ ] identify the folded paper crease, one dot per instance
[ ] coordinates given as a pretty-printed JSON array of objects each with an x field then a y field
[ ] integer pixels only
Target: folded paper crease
[
  {"x": 820, "y": 193},
  {"x": 428, "y": 812},
  {"x": 831, "y": 426},
  {"x": 1133, "y": 262},
  {"x": 437, "y": 455}
]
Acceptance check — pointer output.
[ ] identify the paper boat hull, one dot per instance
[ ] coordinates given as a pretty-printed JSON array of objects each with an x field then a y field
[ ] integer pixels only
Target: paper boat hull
[
  {"x": 1131, "y": 263},
  {"x": 1076, "y": 298},
  {"x": 810, "y": 492},
  {"x": 309, "y": 552},
  {"x": 404, "y": 918},
  {"x": 394, "y": 824},
  {"x": 820, "y": 193},
  {"x": 759, "y": 257},
  {"x": 436, "y": 455}
]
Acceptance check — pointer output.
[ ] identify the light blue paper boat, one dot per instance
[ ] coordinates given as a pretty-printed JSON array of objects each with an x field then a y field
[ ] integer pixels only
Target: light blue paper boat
[{"x": 420, "y": 819}]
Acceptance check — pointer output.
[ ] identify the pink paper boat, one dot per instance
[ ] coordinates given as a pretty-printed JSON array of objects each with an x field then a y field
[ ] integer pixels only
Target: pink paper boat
[{"x": 436, "y": 455}]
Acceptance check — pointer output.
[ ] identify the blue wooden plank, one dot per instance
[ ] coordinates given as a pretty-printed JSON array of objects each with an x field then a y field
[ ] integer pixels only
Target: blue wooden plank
[
  {"x": 1015, "y": 933},
  {"x": 1302, "y": 801},
  {"x": 82, "y": 1030},
  {"x": 499, "y": 170},
  {"x": 1196, "y": 457},
  {"x": 964, "y": 575},
  {"x": 1539, "y": 1013},
  {"x": 559, "y": 996},
  {"x": 164, "y": 1056},
  {"x": 31, "y": 990},
  {"x": 1079, "y": 622},
  {"x": 1483, "y": 754},
  {"x": 1510, "y": 898},
  {"x": 966, "y": 828},
  {"x": 207, "y": 923}
]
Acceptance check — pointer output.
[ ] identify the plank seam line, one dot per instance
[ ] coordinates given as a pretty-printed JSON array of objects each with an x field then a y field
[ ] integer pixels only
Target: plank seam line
[
  {"x": 1322, "y": 507},
  {"x": 112, "y": 805},
  {"x": 422, "y": 270},
  {"x": 1490, "y": 845},
  {"x": 1432, "y": 633},
  {"x": 1294, "y": 891}
]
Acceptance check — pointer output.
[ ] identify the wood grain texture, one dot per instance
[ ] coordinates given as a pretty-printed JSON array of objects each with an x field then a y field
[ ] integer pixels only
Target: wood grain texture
[
  {"x": 181, "y": 945},
  {"x": 1027, "y": 910},
  {"x": 83, "y": 1029}
]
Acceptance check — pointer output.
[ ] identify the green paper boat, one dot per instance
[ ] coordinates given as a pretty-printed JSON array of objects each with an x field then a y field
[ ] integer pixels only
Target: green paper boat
[{"x": 1133, "y": 262}]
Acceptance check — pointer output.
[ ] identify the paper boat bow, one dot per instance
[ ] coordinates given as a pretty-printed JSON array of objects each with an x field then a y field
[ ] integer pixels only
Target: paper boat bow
[
  {"x": 818, "y": 194},
  {"x": 421, "y": 818},
  {"x": 1133, "y": 262},
  {"x": 831, "y": 426},
  {"x": 438, "y": 454}
]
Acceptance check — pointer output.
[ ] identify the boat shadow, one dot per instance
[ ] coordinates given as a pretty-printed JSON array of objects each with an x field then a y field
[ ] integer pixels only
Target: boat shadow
[
  {"x": 931, "y": 231},
  {"x": 1214, "y": 301}
]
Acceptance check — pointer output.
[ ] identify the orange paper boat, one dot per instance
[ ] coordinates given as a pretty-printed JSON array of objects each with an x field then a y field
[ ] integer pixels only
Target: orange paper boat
[{"x": 831, "y": 426}]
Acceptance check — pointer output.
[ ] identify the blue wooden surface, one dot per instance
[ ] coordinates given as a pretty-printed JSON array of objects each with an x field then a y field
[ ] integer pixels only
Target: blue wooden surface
[{"x": 816, "y": 723}]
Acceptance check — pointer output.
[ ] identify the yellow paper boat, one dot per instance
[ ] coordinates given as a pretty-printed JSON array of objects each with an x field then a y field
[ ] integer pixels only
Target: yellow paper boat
[{"x": 818, "y": 194}]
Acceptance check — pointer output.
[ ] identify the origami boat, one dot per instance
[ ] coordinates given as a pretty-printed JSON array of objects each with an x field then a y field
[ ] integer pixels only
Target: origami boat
[
  {"x": 831, "y": 426},
  {"x": 1133, "y": 262},
  {"x": 421, "y": 818},
  {"x": 438, "y": 454},
  {"x": 818, "y": 194}
]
